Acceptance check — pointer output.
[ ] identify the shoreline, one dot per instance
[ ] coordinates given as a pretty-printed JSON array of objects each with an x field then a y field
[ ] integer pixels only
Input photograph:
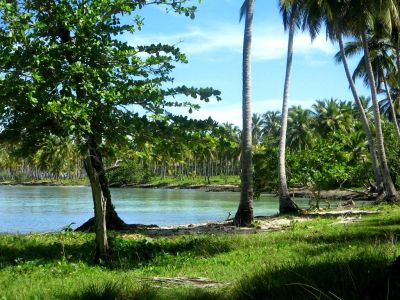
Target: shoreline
[{"x": 295, "y": 193}]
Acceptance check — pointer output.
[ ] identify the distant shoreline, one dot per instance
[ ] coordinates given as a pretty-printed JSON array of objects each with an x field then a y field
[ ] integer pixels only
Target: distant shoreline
[{"x": 295, "y": 193}]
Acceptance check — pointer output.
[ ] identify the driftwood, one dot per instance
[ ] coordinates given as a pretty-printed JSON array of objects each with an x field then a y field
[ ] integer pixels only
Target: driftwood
[{"x": 198, "y": 282}]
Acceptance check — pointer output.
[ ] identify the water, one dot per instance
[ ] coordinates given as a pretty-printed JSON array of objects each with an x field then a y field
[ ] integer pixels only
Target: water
[{"x": 47, "y": 208}]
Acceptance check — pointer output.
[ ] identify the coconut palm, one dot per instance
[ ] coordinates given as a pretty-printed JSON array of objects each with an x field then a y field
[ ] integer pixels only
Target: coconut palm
[
  {"x": 382, "y": 64},
  {"x": 368, "y": 12},
  {"x": 300, "y": 135},
  {"x": 244, "y": 215},
  {"x": 290, "y": 11},
  {"x": 331, "y": 115},
  {"x": 256, "y": 133},
  {"x": 343, "y": 18},
  {"x": 271, "y": 126}
]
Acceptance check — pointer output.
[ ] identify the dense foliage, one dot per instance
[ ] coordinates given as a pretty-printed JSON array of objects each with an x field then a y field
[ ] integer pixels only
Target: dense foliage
[{"x": 326, "y": 149}]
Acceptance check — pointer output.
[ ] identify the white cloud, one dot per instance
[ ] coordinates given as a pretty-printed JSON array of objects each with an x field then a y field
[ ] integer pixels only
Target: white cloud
[
  {"x": 269, "y": 42},
  {"x": 232, "y": 112}
]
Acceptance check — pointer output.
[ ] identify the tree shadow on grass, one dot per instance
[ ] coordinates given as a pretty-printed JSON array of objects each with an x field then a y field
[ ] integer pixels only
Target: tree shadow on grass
[
  {"x": 44, "y": 252},
  {"x": 132, "y": 253},
  {"x": 124, "y": 253},
  {"x": 368, "y": 234},
  {"x": 366, "y": 278}
]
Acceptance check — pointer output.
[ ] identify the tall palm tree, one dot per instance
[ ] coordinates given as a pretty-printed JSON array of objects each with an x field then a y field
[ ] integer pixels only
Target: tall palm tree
[
  {"x": 383, "y": 65},
  {"x": 343, "y": 18},
  {"x": 369, "y": 12},
  {"x": 363, "y": 116},
  {"x": 387, "y": 180},
  {"x": 244, "y": 215},
  {"x": 290, "y": 13}
]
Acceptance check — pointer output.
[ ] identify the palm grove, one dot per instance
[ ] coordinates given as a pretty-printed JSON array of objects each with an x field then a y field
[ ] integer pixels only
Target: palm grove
[{"x": 69, "y": 87}]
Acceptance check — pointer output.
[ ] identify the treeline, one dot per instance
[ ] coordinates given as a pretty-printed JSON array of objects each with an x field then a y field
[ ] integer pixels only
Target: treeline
[
  {"x": 327, "y": 149},
  {"x": 177, "y": 147}
]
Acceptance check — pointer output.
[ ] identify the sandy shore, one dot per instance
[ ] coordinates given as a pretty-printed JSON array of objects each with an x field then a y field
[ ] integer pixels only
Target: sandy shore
[{"x": 261, "y": 224}]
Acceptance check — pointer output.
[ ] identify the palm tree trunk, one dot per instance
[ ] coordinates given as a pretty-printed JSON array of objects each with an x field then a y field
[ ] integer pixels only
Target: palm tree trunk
[
  {"x": 364, "y": 119},
  {"x": 244, "y": 215},
  {"x": 391, "y": 193},
  {"x": 392, "y": 110},
  {"x": 286, "y": 205}
]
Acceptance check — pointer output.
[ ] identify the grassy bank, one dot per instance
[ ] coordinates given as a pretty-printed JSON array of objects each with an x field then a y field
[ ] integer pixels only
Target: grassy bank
[
  {"x": 168, "y": 180},
  {"x": 316, "y": 259}
]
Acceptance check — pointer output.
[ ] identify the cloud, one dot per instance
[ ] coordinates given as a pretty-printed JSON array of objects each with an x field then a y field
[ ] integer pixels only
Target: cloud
[
  {"x": 232, "y": 112},
  {"x": 269, "y": 41}
]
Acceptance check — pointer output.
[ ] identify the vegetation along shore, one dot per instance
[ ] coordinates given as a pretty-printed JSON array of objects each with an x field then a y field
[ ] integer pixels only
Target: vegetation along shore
[{"x": 88, "y": 96}]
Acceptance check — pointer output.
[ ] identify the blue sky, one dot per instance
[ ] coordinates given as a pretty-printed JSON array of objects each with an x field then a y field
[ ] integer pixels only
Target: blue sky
[{"x": 213, "y": 45}]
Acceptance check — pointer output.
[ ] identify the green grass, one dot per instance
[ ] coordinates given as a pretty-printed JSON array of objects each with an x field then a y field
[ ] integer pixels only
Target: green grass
[
  {"x": 168, "y": 180},
  {"x": 75, "y": 181},
  {"x": 316, "y": 259}
]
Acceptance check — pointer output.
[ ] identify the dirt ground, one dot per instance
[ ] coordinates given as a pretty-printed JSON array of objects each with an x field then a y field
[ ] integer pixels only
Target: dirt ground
[{"x": 260, "y": 224}]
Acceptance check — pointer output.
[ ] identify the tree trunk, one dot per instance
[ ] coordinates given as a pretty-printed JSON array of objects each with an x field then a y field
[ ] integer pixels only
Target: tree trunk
[
  {"x": 286, "y": 204},
  {"x": 100, "y": 206},
  {"x": 113, "y": 221},
  {"x": 392, "y": 110},
  {"x": 364, "y": 119},
  {"x": 244, "y": 215},
  {"x": 391, "y": 193}
]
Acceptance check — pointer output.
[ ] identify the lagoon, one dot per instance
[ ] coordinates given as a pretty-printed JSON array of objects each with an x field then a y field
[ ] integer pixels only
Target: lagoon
[{"x": 25, "y": 209}]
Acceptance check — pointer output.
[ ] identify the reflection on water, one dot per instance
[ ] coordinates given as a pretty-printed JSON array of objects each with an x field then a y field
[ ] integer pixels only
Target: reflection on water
[{"x": 48, "y": 208}]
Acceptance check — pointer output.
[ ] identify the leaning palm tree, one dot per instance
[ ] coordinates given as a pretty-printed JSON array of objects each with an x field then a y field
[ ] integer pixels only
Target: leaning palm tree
[
  {"x": 363, "y": 116},
  {"x": 383, "y": 65},
  {"x": 290, "y": 13},
  {"x": 385, "y": 12},
  {"x": 335, "y": 15},
  {"x": 244, "y": 215}
]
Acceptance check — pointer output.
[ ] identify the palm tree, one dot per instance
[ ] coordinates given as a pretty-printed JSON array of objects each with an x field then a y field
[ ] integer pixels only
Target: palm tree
[
  {"x": 290, "y": 12},
  {"x": 380, "y": 47},
  {"x": 368, "y": 12},
  {"x": 244, "y": 215},
  {"x": 256, "y": 133},
  {"x": 331, "y": 115},
  {"x": 300, "y": 135},
  {"x": 271, "y": 123},
  {"x": 339, "y": 20},
  {"x": 363, "y": 116}
]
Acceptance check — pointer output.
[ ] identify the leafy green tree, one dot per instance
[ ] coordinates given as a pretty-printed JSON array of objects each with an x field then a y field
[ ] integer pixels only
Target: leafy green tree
[{"x": 66, "y": 73}]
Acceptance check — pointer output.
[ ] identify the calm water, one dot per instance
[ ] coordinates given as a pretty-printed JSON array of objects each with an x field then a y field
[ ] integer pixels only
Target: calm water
[{"x": 45, "y": 208}]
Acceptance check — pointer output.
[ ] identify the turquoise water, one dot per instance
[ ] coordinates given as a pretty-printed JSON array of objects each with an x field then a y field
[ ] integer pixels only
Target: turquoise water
[{"x": 47, "y": 208}]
